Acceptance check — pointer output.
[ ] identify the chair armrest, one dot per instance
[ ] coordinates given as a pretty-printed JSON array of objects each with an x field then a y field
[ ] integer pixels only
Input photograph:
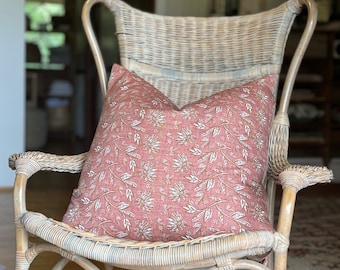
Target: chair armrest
[
  {"x": 29, "y": 163},
  {"x": 301, "y": 176},
  {"x": 294, "y": 178},
  {"x": 280, "y": 170}
]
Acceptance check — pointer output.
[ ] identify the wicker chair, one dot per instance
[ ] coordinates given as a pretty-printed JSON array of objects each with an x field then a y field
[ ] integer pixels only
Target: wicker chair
[{"x": 163, "y": 54}]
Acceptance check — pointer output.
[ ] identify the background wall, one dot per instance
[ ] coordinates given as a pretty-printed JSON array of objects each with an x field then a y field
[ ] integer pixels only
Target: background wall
[
  {"x": 254, "y": 6},
  {"x": 12, "y": 97},
  {"x": 183, "y": 8}
]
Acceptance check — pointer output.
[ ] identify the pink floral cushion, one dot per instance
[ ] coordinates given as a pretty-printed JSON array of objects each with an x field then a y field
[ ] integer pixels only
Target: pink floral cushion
[{"x": 156, "y": 172}]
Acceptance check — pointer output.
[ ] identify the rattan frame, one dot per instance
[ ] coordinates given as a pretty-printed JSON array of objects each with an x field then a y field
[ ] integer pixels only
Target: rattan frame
[{"x": 180, "y": 55}]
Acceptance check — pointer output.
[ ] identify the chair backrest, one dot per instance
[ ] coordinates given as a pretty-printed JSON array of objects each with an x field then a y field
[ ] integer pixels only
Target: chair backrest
[{"x": 191, "y": 57}]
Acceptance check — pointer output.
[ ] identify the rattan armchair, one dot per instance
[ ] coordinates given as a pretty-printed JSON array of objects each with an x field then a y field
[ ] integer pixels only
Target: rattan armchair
[{"x": 178, "y": 55}]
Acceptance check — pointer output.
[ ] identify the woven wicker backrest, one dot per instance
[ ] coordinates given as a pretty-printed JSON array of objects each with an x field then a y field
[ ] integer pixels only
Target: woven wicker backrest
[{"x": 188, "y": 58}]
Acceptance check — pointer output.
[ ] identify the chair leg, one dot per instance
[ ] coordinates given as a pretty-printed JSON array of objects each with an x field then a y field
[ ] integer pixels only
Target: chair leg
[
  {"x": 281, "y": 261},
  {"x": 22, "y": 262},
  {"x": 285, "y": 224}
]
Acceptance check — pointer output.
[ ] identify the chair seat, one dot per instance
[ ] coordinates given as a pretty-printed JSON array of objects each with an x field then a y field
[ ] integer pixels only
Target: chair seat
[{"x": 125, "y": 253}]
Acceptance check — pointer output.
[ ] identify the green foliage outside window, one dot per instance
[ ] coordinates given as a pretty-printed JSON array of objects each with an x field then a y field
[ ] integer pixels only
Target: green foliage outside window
[{"x": 40, "y": 26}]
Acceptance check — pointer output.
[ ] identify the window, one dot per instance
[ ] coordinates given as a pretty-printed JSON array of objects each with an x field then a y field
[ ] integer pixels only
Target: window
[{"x": 40, "y": 27}]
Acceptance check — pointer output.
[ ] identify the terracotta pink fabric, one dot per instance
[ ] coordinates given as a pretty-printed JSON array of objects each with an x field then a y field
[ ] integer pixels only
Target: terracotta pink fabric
[{"x": 158, "y": 173}]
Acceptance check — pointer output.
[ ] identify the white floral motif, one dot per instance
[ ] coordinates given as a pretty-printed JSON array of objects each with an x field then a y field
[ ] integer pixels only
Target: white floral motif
[
  {"x": 262, "y": 96},
  {"x": 258, "y": 213},
  {"x": 249, "y": 107},
  {"x": 178, "y": 192},
  {"x": 258, "y": 165},
  {"x": 148, "y": 171},
  {"x": 189, "y": 113},
  {"x": 261, "y": 117},
  {"x": 176, "y": 222},
  {"x": 145, "y": 201},
  {"x": 181, "y": 164},
  {"x": 199, "y": 125},
  {"x": 185, "y": 136},
  {"x": 123, "y": 81},
  {"x": 73, "y": 214},
  {"x": 259, "y": 141},
  {"x": 157, "y": 119},
  {"x": 152, "y": 144},
  {"x": 257, "y": 188},
  {"x": 143, "y": 230}
]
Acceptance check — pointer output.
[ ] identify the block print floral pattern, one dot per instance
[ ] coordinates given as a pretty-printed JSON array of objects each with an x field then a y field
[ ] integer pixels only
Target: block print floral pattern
[{"x": 158, "y": 173}]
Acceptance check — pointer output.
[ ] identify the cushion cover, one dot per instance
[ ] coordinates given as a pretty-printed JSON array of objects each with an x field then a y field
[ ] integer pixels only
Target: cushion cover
[{"x": 158, "y": 173}]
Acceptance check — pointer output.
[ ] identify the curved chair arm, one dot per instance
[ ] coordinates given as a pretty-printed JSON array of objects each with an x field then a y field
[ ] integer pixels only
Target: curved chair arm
[
  {"x": 299, "y": 54},
  {"x": 29, "y": 163},
  {"x": 279, "y": 137},
  {"x": 91, "y": 36}
]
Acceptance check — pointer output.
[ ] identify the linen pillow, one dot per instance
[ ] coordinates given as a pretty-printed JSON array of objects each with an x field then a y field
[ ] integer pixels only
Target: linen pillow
[{"x": 156, "y": 172}]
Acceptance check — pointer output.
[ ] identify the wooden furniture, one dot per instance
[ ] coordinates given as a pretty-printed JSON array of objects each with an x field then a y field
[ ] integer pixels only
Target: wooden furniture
[{"x": 164, "y": 68}]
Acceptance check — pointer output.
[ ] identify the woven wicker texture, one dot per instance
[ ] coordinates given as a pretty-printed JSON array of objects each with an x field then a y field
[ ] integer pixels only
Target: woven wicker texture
[
  {"x": 186, "y": 58},
  {"x": 190, "y": 58}
]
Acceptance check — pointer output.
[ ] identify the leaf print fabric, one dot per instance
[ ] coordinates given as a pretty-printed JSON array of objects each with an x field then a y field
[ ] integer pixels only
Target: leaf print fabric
[{"x": 159, "y": 173}]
